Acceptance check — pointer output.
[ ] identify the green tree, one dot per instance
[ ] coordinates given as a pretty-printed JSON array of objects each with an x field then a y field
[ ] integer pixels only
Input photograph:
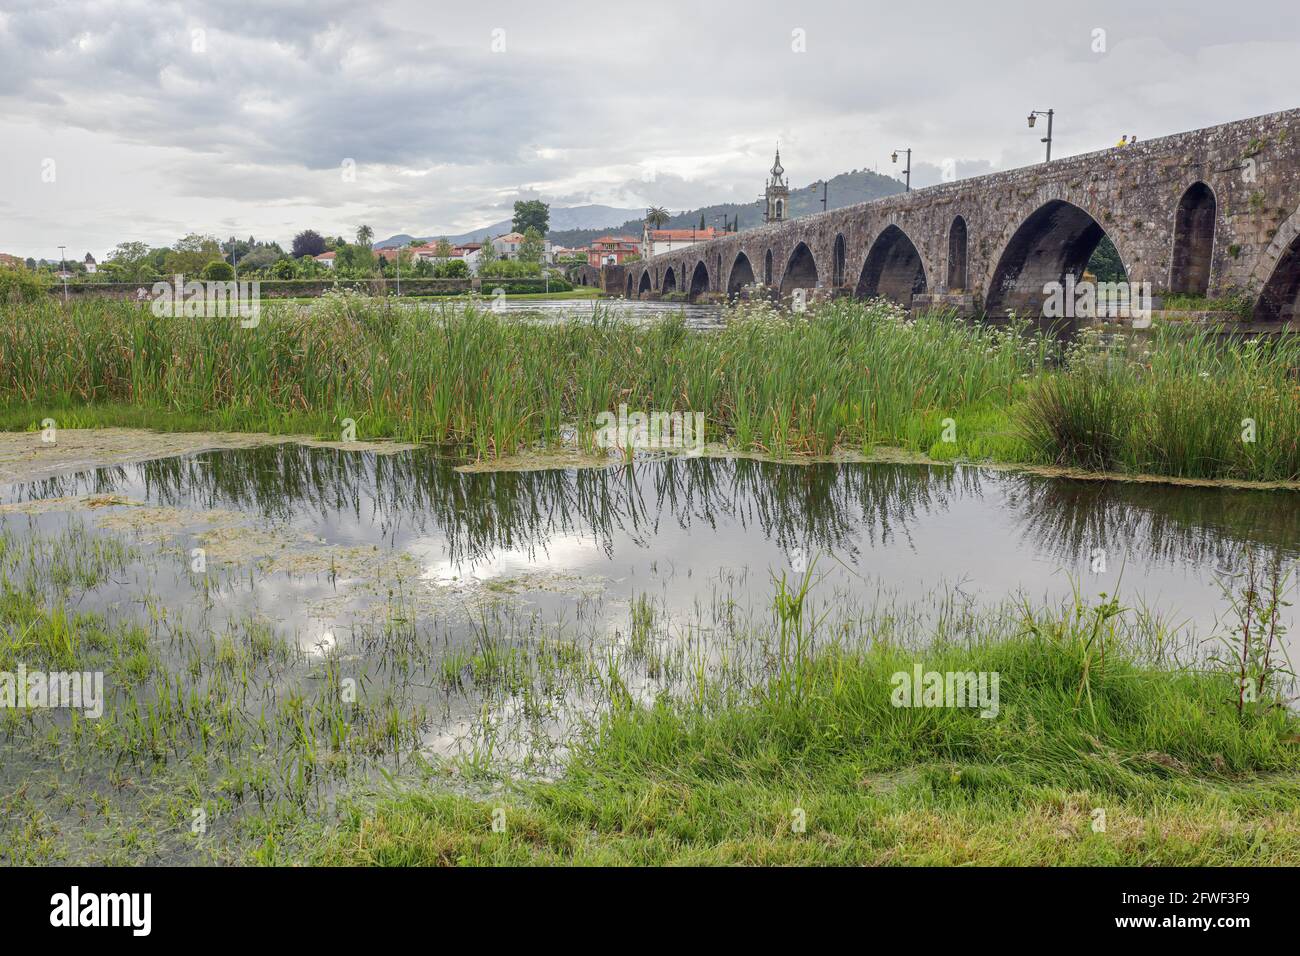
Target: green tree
[
  {"x": 451, "y": 269},
  {"x": 365, "y": 235},
  {"x": 354, "y": 260},
  {"x": 532, "y": 248},
  {"x": 308, "y": 243},
  {"x": 191, "y": 254},
  {"x": 218, "y": 270},
  {"x": 443, "y": 250},
  {"x": 132, "y": 261},
  {"x": 261, "y": 258},
  {"x": 532, "y": 214},
  {"x": 656, "y": 216},
  {"x": 1105, "y": 263}
]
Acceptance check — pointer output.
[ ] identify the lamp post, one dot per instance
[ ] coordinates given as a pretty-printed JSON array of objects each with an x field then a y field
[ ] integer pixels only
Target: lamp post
[
  {"x": 63, "y": 272},
  {"x": 823, "y": 185},
  {"x": 1033, "y": 118},
  {"x": 908, "y": 171}
]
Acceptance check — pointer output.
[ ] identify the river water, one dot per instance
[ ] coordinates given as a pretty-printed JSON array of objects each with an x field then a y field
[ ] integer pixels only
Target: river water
[{"x": 691, "y": 531}]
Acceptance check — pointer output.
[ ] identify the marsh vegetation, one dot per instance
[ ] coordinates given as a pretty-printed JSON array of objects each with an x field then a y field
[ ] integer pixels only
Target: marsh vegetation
[{"x": 1178, "y": 402}]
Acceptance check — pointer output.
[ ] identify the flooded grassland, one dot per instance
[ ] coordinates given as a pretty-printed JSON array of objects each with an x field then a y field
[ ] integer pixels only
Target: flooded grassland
[{"x": 371, "y": 653}]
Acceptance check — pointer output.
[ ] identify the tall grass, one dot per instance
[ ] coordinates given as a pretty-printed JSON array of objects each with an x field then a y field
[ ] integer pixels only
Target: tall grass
[
  {"x": 849, "y": 374},
  {"x": 853, "y": 374},
  {"x": 840, "y": 773},
  {"x": 1182, "y": 403}
]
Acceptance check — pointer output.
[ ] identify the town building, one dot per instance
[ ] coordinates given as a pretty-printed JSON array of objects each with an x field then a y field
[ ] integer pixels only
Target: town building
[
  {"x": 612, "y": 250},
  {"x": 656, "y": 242},
  {"x": 326, "y": 259},
  {"x": 507, "y": 247}
]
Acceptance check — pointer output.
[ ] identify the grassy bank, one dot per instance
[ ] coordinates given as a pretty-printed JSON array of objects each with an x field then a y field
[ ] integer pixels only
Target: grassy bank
[
  {"x": 1094, "y": 757},
  {"x": 848, "y": 375},
  {"x": 722, "y": 739}
]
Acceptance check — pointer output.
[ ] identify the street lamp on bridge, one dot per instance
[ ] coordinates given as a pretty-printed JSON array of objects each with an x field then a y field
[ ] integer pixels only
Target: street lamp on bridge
[
  {"x": 1033, "y": 118},
  {"x": 822, "y": 184},
  {"x": 908, "y": 171}
]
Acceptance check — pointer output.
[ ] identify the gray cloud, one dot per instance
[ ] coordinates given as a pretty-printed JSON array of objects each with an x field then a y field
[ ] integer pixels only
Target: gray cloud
[{"x": 158, "y": 129}]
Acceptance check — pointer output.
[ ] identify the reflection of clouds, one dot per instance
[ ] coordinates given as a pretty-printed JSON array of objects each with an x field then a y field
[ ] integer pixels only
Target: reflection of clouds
[
  {"x": 320, "y": 643},
  {"x": 562, "y": 553}
]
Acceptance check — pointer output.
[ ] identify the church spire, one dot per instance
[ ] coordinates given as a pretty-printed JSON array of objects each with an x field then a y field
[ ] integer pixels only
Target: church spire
[{"x": 778, "y": 192}]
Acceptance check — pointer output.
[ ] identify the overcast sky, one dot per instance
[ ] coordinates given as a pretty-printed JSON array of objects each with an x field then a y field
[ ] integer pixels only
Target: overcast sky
[{"x": 142, "y": 119}]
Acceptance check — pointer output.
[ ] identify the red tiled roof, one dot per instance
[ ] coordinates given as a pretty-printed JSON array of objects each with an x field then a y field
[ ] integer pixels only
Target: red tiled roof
[{"x": 675, "y": 235}]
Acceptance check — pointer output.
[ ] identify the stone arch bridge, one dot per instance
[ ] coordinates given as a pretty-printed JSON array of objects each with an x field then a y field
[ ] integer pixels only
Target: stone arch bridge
[{"x": 1211, "y": 213}]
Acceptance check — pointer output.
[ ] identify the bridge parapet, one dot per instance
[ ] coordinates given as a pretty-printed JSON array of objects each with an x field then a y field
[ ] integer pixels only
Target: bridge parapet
[{"x": 1207, "y": 213}]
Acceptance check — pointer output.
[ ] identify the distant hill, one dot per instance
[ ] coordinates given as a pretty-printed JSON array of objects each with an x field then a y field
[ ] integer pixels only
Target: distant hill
[
  {"x": 579, "y": 225},
  {"x": 594, "y": 218},
  {"x": 846, "y": 189}
]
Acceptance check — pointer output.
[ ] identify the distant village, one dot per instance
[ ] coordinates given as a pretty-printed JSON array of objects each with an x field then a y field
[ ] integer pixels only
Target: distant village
[
  {"x": 522, "y": 253},
  {"x": 512, "y": 254}
]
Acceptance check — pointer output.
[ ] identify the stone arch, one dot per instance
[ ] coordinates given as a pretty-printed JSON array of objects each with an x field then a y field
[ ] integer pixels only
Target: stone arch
[
  {"x": 958, "y": 245},
  {"x": 1280, "y": 299},
  {"x": 742, "y": 274},
  {"x": 1194, "y": 228},
  {"x": 645, "y": 285},
  {"x": 699, "y": 281},
  {"x": 800, "y": 270},
  {"x": 837, "y": 262},
  {"x": 767, "y": 269},
  {"x": 1055, "y": 241},
  {"x": 670, "y": 281},
  {"x": 1273, "y": 264},
  {"x": 893, "y": 269},
  {"x": 629, "y": 285}
]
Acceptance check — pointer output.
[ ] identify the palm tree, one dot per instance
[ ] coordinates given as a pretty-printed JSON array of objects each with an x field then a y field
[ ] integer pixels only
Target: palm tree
[
  {"x": 364, "y": 235},
  {"x": 656, "y": 216}
]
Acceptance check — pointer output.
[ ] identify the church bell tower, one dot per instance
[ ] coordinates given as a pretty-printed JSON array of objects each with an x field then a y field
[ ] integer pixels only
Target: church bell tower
[{"x": 778, "y": 193}]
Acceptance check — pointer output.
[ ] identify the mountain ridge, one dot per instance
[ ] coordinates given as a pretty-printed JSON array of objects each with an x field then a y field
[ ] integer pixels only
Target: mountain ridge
[{"x": 845, "y": 189}]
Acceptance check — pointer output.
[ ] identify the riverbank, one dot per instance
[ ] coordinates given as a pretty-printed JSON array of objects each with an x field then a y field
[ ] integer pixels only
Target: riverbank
[
  {"x": 1091, "y": 759},
  {"x": 848, "y": 376}
]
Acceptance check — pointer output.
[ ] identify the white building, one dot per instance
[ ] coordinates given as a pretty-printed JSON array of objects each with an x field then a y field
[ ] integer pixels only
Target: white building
[{"x": 507, "y": 247}]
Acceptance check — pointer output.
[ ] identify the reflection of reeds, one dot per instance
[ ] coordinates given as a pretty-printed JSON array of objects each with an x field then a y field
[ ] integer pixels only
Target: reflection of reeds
[
  {"x": 1066, "y": 518},
  {"x": 835, "y": 508},
  {"x": 825, "y": 507}
]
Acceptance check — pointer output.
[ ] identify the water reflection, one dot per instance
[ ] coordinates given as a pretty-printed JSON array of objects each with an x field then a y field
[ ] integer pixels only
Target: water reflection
[{"x": 909, "y": 526}]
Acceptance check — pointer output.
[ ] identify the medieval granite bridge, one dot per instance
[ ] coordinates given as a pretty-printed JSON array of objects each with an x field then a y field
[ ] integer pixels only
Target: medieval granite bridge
[{"x": 1213, "y": 212}]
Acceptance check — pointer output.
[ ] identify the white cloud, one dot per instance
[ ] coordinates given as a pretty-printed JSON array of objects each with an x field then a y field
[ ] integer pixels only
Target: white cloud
[{"x": 164, "y": 118}]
